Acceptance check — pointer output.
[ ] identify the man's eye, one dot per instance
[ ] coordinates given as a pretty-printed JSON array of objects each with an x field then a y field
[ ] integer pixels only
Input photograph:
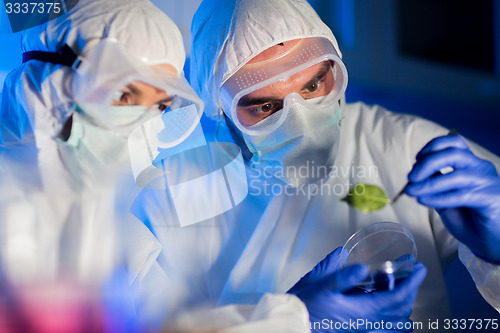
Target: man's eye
[
  {"x": 313, "y": 87},
  {"x": 266, "y": 107}
]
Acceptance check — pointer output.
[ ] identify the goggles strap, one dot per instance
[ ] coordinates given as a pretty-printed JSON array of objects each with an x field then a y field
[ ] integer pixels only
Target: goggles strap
[{"x": 66, "y": 57}]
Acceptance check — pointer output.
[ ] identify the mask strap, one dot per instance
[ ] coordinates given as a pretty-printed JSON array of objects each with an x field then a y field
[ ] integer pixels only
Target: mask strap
[{"x": 66, "y": 57}]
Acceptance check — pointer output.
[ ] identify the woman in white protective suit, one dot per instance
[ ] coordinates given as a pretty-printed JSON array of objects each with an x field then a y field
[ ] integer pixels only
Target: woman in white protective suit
[
  {"x": 79, "y": 61},
  {"x": 91, "y": 83},
  {"x": 251, "y": 63}
]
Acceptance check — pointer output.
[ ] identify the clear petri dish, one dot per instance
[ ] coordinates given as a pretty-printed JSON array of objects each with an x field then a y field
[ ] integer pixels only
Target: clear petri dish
[{"x": 387, "y": 249}]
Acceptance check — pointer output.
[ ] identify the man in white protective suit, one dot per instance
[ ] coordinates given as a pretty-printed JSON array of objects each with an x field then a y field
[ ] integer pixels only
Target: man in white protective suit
[{"x": 271, "y": 76}]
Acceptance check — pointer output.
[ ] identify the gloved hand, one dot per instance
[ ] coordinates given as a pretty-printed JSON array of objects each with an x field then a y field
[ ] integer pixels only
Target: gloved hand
[
  {"x": 467, "y": 199},
  {"x": 332, "y": 311}
]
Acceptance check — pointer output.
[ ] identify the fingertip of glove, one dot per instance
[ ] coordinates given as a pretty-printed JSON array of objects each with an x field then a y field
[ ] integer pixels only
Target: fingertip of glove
[
  {"x": 342, "y": 253},
  {"x": 337, "y": 252}
]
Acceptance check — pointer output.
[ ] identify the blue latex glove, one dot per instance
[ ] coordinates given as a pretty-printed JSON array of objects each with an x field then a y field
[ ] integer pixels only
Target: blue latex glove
[
  {"x": 321, "y": 291},
  {"x": 467, "y": 199}
]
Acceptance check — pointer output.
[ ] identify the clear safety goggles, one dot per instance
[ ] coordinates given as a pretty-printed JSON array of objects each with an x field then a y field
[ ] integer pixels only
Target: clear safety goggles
[
  {"x": 116, "y": 91},
  {"x": 310, "y": 73}
]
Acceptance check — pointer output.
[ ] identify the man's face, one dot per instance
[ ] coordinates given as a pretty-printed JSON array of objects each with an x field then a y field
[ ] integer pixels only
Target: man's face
[{"x": 315, "y": 81}]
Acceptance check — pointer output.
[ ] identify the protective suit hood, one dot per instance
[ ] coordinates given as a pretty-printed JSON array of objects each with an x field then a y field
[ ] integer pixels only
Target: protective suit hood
[
  {"x": 156, "y": 40},
  {"x": 228, "y": 33},
  {"x": 40, "y": 93}
]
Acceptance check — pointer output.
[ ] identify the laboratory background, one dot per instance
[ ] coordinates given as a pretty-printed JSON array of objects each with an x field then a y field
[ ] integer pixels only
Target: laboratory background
[{"x": 433, "y": 58}]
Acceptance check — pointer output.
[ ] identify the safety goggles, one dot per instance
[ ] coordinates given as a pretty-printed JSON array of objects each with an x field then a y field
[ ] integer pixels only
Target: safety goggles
[{"x": 310, "y": 73}]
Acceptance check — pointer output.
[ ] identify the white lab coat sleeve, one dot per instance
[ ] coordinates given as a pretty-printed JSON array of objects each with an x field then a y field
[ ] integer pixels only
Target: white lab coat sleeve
[
  {"x": 485, "y": 275},
  {"x": 447, "y": 245},
  {"x": 274, "y": 313}
]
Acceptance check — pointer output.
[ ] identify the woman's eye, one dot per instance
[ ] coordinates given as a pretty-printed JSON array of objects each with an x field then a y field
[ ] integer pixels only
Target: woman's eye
[
  {"x": 165, "y": 105},
  {"x": 124, "y": 98}
]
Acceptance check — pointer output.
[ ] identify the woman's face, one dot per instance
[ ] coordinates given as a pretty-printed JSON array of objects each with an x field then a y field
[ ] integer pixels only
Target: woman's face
[{"x": 141, "y": 93}]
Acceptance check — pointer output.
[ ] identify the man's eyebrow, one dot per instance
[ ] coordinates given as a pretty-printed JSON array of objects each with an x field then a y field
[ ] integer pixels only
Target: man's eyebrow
[
  {"x": 319, "y": 75},
  {"x": 246, "y": 101}
]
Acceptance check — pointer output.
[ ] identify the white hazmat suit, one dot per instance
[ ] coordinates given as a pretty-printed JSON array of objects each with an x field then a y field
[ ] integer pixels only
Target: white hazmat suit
[
  {"x": 59, "y": 210},
  {"x": 37, "y": 100},
  {"x": 294, "y": 230}
]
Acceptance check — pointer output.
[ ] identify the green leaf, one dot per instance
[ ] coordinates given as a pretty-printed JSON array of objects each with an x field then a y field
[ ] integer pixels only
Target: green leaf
[{"x": 366, "y": 198}]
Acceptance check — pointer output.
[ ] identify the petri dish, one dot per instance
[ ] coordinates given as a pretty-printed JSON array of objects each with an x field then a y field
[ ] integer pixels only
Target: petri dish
[{"x": 387, "y": 249}]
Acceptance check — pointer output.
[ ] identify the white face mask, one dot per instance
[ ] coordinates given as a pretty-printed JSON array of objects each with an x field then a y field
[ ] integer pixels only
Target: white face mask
[
  {"x": 97, "y": 149},
  {"x": 133, "y": 146},
  {"x": 303, "y": 148}
]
